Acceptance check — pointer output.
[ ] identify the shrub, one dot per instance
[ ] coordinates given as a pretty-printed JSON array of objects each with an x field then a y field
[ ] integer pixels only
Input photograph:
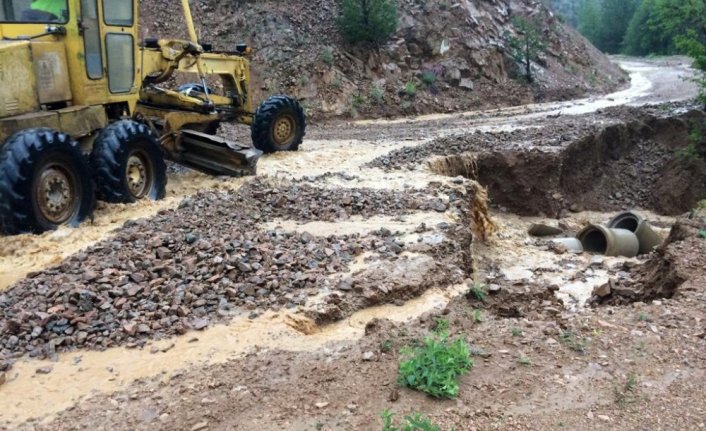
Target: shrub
[
  {"x": 367, "y": 21},
  {"x": 414, "y": 422},
  {"x": 434, "y": 367},
  {"x": 377, "y": 95},
  {"x": 327, "y": 56},
  {"x": 429, "y": 78},
  {"x": 410, "y": 89},
  {"x": 527, "y": 46}
]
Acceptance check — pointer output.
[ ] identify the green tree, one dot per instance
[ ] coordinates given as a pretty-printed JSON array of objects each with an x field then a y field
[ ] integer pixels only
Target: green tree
[
  {"x": 368, "y": 21},
  {"x": 605, "y": 22},
  {"x": 527, "y": 46},
  {"x": 645, "y": 34}
]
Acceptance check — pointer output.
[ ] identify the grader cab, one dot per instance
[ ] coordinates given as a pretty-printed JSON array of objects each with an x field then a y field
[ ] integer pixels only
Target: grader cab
[{"x": 87, "y": 110}]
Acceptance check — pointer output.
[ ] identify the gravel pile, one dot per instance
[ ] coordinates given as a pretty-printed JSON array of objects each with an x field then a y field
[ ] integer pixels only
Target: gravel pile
[{"x": 185, "y": 268}]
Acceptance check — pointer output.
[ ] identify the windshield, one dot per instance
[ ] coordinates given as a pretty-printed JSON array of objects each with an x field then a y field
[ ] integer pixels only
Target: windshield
[{"x": 41, "y": 11}]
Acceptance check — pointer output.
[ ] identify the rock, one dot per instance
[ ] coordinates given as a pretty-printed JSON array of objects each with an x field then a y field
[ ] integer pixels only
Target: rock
[
  {"x": 541, "y": 230},
  {"x": 45, "y": 370},
  {"x": 368, "y": 356},
  {"x": 494, "y": 289},
  {"x": 199, "y": 324},
  {"x": 200, "y": 426},
  {"x": 321, "y": 405},
  {"x": 466, "y": 84},
  {"x": 603, "y": 290},
  {"x": 3, "y": 378},
  {"x": 597, "y": 261}
]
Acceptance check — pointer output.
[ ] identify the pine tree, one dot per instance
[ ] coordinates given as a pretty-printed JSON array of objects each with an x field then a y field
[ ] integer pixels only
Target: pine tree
[
  {"x": 528, "y": 45},
  {"x": 368, "y": 21}
]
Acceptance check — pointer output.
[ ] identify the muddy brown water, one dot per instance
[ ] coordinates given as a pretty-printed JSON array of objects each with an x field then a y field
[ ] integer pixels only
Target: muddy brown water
[{"x": 78, "y": 375}]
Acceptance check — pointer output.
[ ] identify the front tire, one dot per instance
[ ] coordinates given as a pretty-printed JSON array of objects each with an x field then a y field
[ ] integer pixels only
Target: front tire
[
  {"x": 128, "y": 164},
  {"x": 45, "y": 182},
  {"x": 279, "y": 125}
]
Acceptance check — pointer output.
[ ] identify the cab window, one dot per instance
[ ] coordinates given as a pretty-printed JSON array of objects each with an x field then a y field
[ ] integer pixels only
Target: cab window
[
  {"x": 118, "y": 13},
  {"x": 40, "y": 11}
]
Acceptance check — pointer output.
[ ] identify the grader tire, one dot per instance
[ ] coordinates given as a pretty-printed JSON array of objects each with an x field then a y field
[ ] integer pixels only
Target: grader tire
[
  {"x": 128, "y": 164},
  {"x": 279, "y": 125},
  {"x": 45, "y": 182}
]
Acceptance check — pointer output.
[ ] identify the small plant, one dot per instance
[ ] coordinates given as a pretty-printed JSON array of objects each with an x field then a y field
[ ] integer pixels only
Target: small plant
[
  {"x": 442, "y": 326},
  {"x": 434, "y": 367},
  {"x": 516, "y": 332},
  {"x": 478, "y": 291},
  {"x": 477, "y": 316},
  {"x": 429, "y": 78},
  {"x": 644, "y": 317},
  {"x": 524, "y": 361},
  {"x": 688, "y": 153},
  {"x": 386, "y": 346},
  {"x": 406, "y": 105},
  {"x": 410, "y": 89},
  {"x": 702, "y": 233},
  {"x": 377, "y": 95},
  {"x": 570, "y": 341},
  {"x": 357, "y": 102},
  {"x": 627, "y": 394},
  {"x": 413, "y": 422},
  {"x": 477, "y": 351},
  {"x": 303, "y": 80},
  {"x": 327, "y": 56}
]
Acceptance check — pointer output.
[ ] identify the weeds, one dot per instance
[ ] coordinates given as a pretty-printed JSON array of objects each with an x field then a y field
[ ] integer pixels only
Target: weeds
[
  {"x": 570, "y": 341},
  {"x": 516, "y": 332},
  {"x": 477, "y": 316},
  {"x": 377, "y": 95},
  {"x": 357, "y": 102},
  {"x": 644, "y": 317},
  {"x": 524, "y": 361},
  {"x": 327, "y": 56},
  {"x": 413, "y": 422},
  {"x": 442, "y": 326},
  {"x": 386, "y": 346},
  {"x": 429, "y": 78},
  {"x": 410, "y": 89},
  {"x": 688, "y": 153},
  {"x": 478, "y": 291},
  {"x": 702, "y": 233},
  {"x": 627, "y": 394},
  {"x": 435, "y": 367}
]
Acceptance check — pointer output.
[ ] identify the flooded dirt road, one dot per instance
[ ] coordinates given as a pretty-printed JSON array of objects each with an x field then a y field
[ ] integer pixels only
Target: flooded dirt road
[{"x": 334, "y": 157}]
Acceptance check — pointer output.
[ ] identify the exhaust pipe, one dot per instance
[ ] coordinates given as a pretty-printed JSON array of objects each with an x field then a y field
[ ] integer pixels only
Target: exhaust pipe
[
  {"x": 610, "y": 242},
  {"x": 648, "y": 238}
]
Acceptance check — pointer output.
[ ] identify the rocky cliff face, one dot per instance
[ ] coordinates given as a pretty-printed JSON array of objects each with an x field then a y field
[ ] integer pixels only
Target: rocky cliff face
[{"x": 447, "y": 55}]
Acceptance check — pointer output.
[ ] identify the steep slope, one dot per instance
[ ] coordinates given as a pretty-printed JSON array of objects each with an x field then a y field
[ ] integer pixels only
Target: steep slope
[{"x": 458, "y": 45}]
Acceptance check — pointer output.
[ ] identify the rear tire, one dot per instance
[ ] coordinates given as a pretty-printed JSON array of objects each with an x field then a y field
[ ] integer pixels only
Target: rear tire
[
  {"x": 128, "y": 164},
  {"x": 45, "y": 182},
  {"x": 279, "y": 125}
]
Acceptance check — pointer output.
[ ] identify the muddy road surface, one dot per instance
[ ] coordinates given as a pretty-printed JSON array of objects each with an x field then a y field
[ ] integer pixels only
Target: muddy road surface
[{"x": 282, "y": 302}]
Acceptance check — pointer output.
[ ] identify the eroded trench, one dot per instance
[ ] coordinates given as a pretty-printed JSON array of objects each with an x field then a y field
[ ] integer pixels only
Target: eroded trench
[{"x": 637, "y": 164}]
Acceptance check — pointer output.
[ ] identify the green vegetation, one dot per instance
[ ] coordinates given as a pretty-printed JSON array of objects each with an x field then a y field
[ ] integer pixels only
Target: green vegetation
[
  {"x": 434, "y": 367},
  {"x": 627, "y": 394},
  {"x": 386, "y": 346},
  {"x": 413, "y": 422},
  {"x": 442, "y": 325},
  {"x": 477, "y": 316},
  {"x": 357, "y": 102},
  {"x": 478, "y": 291},
  {"x": 572, "y": 342},
  {"x": 410, "y": 89},
  {"x": 377, "y": 95},
  {"x": 367, "y": 21},
  {"x": 527, "y": 46},
  {"x": 429, "y": 78},
  {"x": 516, "y": 332},
  {"x": 524, "y": 361},
  {"x": 604, "y": 22},
  {"x": 327, "y": 56}
]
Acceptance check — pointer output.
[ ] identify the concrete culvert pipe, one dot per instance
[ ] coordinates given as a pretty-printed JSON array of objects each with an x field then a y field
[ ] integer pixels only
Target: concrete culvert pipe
[
  {"x": 647, "y": 237},
  {"x": 627, "y": 220},
  {"x": 610, "y": 242}
]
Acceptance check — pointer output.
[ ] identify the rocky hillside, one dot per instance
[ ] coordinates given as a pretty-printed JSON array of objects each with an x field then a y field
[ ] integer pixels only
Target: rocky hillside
[{"x": 447, "y": 55}]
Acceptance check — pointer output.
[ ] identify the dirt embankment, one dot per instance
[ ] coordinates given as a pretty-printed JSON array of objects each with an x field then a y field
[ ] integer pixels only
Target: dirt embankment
[{"x": 461, "y": 44}]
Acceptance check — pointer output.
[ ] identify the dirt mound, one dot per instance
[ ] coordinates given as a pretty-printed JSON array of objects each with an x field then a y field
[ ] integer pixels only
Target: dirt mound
[
  {"x": 299, "y": 51},
  {"x": 182, "y": 270},
  {"x": 624, "y": 165},
  {"x": 676, "y": 268}
]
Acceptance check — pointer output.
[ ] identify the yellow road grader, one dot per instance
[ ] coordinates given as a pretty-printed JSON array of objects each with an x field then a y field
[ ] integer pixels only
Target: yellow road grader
[{"x": 87, "y": 111}]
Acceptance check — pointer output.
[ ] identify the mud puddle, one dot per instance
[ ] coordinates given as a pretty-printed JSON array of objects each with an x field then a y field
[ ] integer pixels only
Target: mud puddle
[{"x": 91, "y": 373}]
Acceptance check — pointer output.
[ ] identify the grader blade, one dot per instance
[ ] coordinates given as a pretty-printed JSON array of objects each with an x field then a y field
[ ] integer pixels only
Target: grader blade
[{"x": 215, "y": 155}]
